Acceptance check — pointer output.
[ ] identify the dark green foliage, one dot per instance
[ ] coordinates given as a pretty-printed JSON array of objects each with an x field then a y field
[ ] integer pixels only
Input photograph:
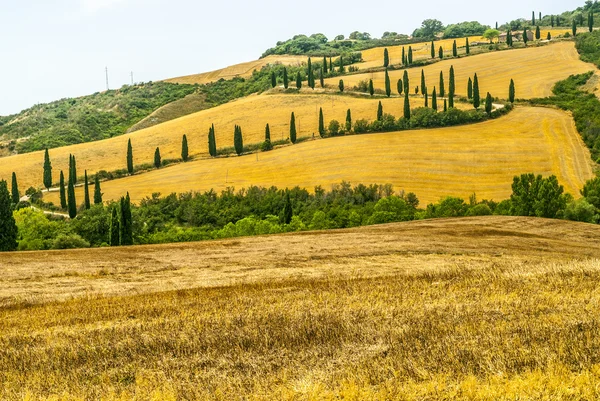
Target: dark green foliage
[
  {"x": 454, "y": 49},
  {"x": 341, "y": 85},
  {"x": 574, "y": 28},
  {"x": 379, "y": 111},
  {"x": 63, "y": 192},
  {"x": 371, "y": 88},
  {"x": 537, "y": 33},
  {"x": 465, "y": 29},
  {"x": 467, "y": 47},
  {"x": 126, "y": 222},
  {"x": 488, "y": 103},
  {"x": 273, "y": 79},
  {"x": 238, "y": 141},
  {"x": 406, "y": 106},
  {"x": 399, "y": 87},
  {"x": 97, "y": 191},
  {"x": 511, "y": 91},
  {"x": 293, "y": 128},
  {"x": 426, "y": 96},
  {"x": 406, "y": 82},
  {"x": 321, "y": 123},
  {"x": 441, "y": 52},
  {"x": 184, "y": 149},
  {"x": 14, "y": 189},
  {"x": 470, "y": 89},
  {"x": 509, "y": 38},
  {"x": 533, "y": 18},
  {"x": 525, "y": 38},
  {"x": 591, "y": 192},
  {"x": 129, "y": 157},
  {"x": 71, "y": 202},
  {"x": 590, "y": 21},
  {"x": 552, "y": 21},
  {"x": 311, "y": 75},
  {"x": 86, "y": 191},
  {"x": 434, "y": 100},
  {"x": 348, "y": 121},
  {"x": 321, "y": 79},
  {"x": 47, "y": 170},
  {"x": 324, "y": 65},
  {"x": 404, "y": 61},
  {"x": 410, "y": 55},
  {"x": 476, "y": 97},
  {"x": 536, "y": 196},
  {"x": 432, "y": 50},
  {"x": 267, "y": 145},
  {"x": 423, "y": 82},
  {"x": 73, "y": 169},
  {"x": 157, "y": 158},
  {"x": 388, "y": 85},
  {"x": 287, "y": 212},
  {"x": 286, "y": 82},
  {"x": 330, "y": 64},
  {"x": 386, "y": 58},
  {"x": 212, "y": 141},
  {"x": 549, "y": 37},
  {"x": 8, "y": 227},
  {"x": 341, "y": 70},
  {"x": 114, "y": 238},
  {"x": 442, "y": 86},
  {"x": 445, "y": 105},
  {"x": 451, "y": 88},
  {"x": 298, "y": 80}
]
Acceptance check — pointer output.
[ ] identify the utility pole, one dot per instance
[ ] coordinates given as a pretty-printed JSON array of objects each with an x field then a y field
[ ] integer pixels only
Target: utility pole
[{"x": 106, "y": 70}]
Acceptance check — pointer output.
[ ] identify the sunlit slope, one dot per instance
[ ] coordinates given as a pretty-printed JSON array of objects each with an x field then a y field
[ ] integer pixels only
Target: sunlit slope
[
  {"x": 242, "y": 70},
  {"x": 458, "y": 161},
  {"x": 535, "y": 70},
  {"x": 251, "y": 113}
]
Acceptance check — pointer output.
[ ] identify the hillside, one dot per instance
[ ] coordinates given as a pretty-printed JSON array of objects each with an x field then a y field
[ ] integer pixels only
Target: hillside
[
  {"x": 474, "y": 308},
  {"x": 431, "y": 163}
]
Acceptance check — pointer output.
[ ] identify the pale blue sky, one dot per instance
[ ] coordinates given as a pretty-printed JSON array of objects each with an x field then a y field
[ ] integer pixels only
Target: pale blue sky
[{"x": 59, "y": 48}]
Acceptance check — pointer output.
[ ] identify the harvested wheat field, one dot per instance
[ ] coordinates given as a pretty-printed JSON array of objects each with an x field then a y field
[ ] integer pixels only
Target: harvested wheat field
[
  {"x": 251, "y": 113},
  {"x": 535, "y": 70},
  {"x": 243, "y": 70},
  {"x": 471, "y": 309},
  {"x": 480, "y": 158}
]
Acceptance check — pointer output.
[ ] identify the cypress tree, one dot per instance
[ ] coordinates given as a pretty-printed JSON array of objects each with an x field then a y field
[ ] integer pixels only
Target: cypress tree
[
  {"x": 371, "y": 89},
  {"x": 330, "y": 64},
  {"x": 97, "y": 191},
  {"x": 321, "y": 79},
  {"x": 47, "y": 170},
  {"x": 423, "y": 82},
  {"x": 525, "y": 38},
  {"x": 212, "y": 145},
  {"x": 273, "y": 79},
  {"x": 388, "y": 85},
  {"x": 403, "y": 56},
  {"x": 405, "y": 81},
  {"x": 426, "y": 95},
  {"x": 86, "y": 191},
  {"x": 114, "y": 234},
  {"x": 386, "y": 58},
  {"x": 496, "y": 24},
  {"x": 552, "y": 21},
  {"x": 450, "y": 100},
  {"x": 157, "y": 159},
  {"x": 324, "y": 65},
  {"x": 400, "y": 87},
  {"x": 468, "y": 47},
  {"x": 184, "y": 148},
  {"x": 549, "y": 37},
  {"x": 441, "y": 52},
  {"x": 410, "y": 55},
  {"x": 238, "y": 141},
  {"x": 451, "y": 88},
  {"x": 348, "y": 121},
  {"x": 574, "y": 28},
  {"x": 540, "y": 19},
  {"x": 63, "y": 191},
  {"x": 537, "y": 32},
  {"x": 287, "y": 209},
  {"x": 476, "y": 99},
  {"x": 470, "y": 89},
  {"x": 321, "y": 123},
  {"x": 74, "y": 172},
  {"x": 590, "y": 21},
  {"x": 509, "y": 40},
  {"x": 8, "y": 226},
  {"x": 511, "y": 91},
  {"x": 434, "y": 99},
  {"x": 379, "y": 111},
  {"x": 454, "y": 49},
  {"x": 298, "y": 80},
  {"x": 488, "y": 104},
  {"x": 71, "y": 202},
  {"x": 14, "y": 189},
  {"x": 293, "y": 128},
  {"x": 442, "y": 86},
  {"x": 406, "y": 106},
  {"x": 285, "y": 78},
  {"x": 533, "y": 18},
  {"x": 267, "y": 144},
  {"x": 341, "y": 85},
  {"x": 445, "y": 105},
  {"x": 432, "y": 50},
  {"x": 126, "y": 226},
  {"x": 129, "y": 157},
  {"x": 341, "y": 64},
  {"x": 311, "y": 77}
]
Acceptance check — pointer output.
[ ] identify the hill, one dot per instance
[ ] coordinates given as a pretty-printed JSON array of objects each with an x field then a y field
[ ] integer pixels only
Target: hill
[
  {"x": 474, "y": 308},
  {"x": 431, "y": 163}
]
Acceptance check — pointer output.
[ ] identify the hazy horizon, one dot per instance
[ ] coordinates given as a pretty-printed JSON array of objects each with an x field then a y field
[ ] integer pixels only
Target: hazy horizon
[{"x": 60, "y": 50}]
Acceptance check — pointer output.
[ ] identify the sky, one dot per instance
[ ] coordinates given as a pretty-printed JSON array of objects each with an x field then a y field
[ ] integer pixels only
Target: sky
[{"x": 60, "y": 48}]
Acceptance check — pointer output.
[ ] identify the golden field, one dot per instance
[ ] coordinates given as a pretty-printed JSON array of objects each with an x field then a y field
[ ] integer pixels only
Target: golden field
[
  {"x": 433, "y": 163},
  {"x": 535, "y": 70},
  {"x": 251, "y": 113},
  {"x": 467, "y": 309}
]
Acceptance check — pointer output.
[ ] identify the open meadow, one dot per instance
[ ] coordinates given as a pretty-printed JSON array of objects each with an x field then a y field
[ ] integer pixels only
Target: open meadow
[
  {"x": 455, "y": 161},
  {"x": 468, "y": 309}
]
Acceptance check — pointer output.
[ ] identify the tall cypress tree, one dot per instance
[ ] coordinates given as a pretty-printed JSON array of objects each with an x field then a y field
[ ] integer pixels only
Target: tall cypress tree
[
  {"x": 511, "y": 91},
  {"x": 212, "y": 143},
  {"x": 509, "y": 40},
  {"x": 574, "y": 28},
  {"x": 442, "y": 86},
  {"x": 311, "y": 76},
  {"x": 476, "y": 99},
  {"x": 454, "y": 49},
  {"x": 441, "y": 52},
  {"x": 286, "y": 82},
  {"x": 63, "y": 191},
  {"x": 488, "y": 104},
  {"x": 129, "y": 157},
  {"x": 14, "y": 189},
  {"x": 126, "y": 226},
  {"x": 467, "y": 47},
  {"x": 321, "y": 79},
  {"x": 591, "y": 21},
  {"x": 400, "y": 87},
  {"x": 71, "y": 202},
  {"x": 341, "y": 64},
  {"x": 47, "y": 170},
  {"x": 184, "y": 149},
  {"x": 434, "y": 99},
  {"x": 538, "y": 34},
  {"x": 238, "y": 141},
  {"x": 525, "y": 38},
  {"x": 410, "y": 55},
  {"x": 157, "y": 159},
  {"x": 324, "y": 65},
  {"x": 267, "y": 144},
  {"x": 371, "y": 88},
  {"x": 423, "y": 82},
  {"x": 293, "y": 128},
  {"x": 406, "y": 106},
  {"x": 451, "y": 88},
  {"x": 379, "y": 111},
  {"x": 405, "y": 81},
  {"x": 445, "y": 105},
  {"x": 273, "y": 79},
  {"x": 348, "y": 121},
  {"x": 298, "y": 80},
  {"x": 8, "y": 227},
  {"x": 426, "y": 96},
  {"x": 86, "y": 191},
  {"x": 470, "y": 89},
  {"x": 403, "y": 56},
  {"x": 533, "y": 18},
  {"x": 97, "y": 191},
  {"x": 388, "y": 85},
  {"x": 432, "y": 50},
  {"x": 74, "y": 172},
  {"x": 341, "y": 85},
  {"x": 330, "y": 64},
  {"x": 549, "y": 37},
  {"x": 386, "y": 58},
  {"x": 114, "y": 233},
  {"x": 321, "y": 123}
]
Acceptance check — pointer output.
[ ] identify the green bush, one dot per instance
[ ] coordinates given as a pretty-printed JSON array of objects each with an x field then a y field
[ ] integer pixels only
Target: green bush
[{"x": 69, "y": 241}]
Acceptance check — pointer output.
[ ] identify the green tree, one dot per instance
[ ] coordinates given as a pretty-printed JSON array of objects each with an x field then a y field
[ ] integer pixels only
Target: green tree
[
  {"x": 348, "y": 121},
  {"x": 386, "y": 58},
  {"x": 238, "y": 141},
  {"x": 379, "y": 111},
  {"x": 470, "y": 89},
  {"x": 429, "y": 28},
  {"x": 311, "y": 77},
  {"x": 454, "y": 49},
  {"x": 533, "y": 18},
  {"x": 86, "y": 191},
  {"x": 488, "y": 104},
  {"x": 451, "y": 88},
  {"x": 73, "y": 169},
  {"x": 114, "y": 233},
  {"x": 8, "y": 226},
  {"x": 97, "y": 191},
  {"x": 267, "y": 143},
  {"x": 426, "y": 96},
  {"x": 399, "y": 87},
  {"x": 324, "y": 64},
  {"x": 441, "y": 52},
  {"x": 491, "y": 34},
  {"x": 404, "y": 61},
  {"x": 442, "y": 86},
  {"x": 341, "y": 65},
  {"x": 434, "y": 99},
  {"x": 432, "y": 50},
  {"x": 509, "y": 40},
  {"x": 406, "y": 106},
  {"x": 445, "y": 105},
  {"x": 538, "y": 34},
  {"x": 525, "y": 38},
  {"x": 286, "y": 82},
  {"x": 410, "y": 55},
  {"x": 47, "y": 170},
  {"x": 273, "y": 79},
  {"x": 406, "y": 82},
  {"x": 341, "y": 85},
  {"x": 590, "y": 21},
  {"x": 157, "y": 159},
  {"x": 511, "y": 91},
  {"x": 549, "y": 37},
  {"x": 184, "y": 149},
  {"x": 14, "y": 189},
  {"x": 321, "y": 79},
  {"x": 371, "y": 89},
  {"x": 536, "y": 196},
  {"x": 552, "y": 21},
  {"x": 129, "y": 157},
  {"x": 321, "y": 123},
  {"x": 476, "y": 98},
  {"x": 126, "y": 222},
  {"x": 388, "y": 85},
  {"x": 63, "y": 192},
  {"x": 71, "y": 202},
  {"x": 287, "y": 210},
  {"x": 212, "y": 144},
  {"x": 293, "y": 128},
  {"x": 467, "y": 47},
  {"x": 423, "y": 82},
  {"x": 574, "y": 28},
  {"x": 298, "y": 80}
]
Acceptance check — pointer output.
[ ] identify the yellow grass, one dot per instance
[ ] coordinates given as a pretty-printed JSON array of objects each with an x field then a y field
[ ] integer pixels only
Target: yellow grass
[
  {"x": 535, "y": 70},
  {"x": 239, "y": 70},
  {"x": 458, "y": 161},
  {"x": 471, "y": 309}
]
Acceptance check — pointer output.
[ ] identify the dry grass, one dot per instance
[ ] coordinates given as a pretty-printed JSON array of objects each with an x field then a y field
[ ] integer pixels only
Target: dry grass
[
  {"x": 468, "y": 309},
  {"x": 457, "y": 161},
  {"x": 535, "y": 70}
]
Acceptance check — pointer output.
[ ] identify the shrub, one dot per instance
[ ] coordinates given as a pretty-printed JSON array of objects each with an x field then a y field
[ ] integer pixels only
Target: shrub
[
  {"x": 334, "y": 128},
  {"x": 361, "y": 126},
  {"x": 581, "y": 210},
  {"x": 70, "y": 241}
]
